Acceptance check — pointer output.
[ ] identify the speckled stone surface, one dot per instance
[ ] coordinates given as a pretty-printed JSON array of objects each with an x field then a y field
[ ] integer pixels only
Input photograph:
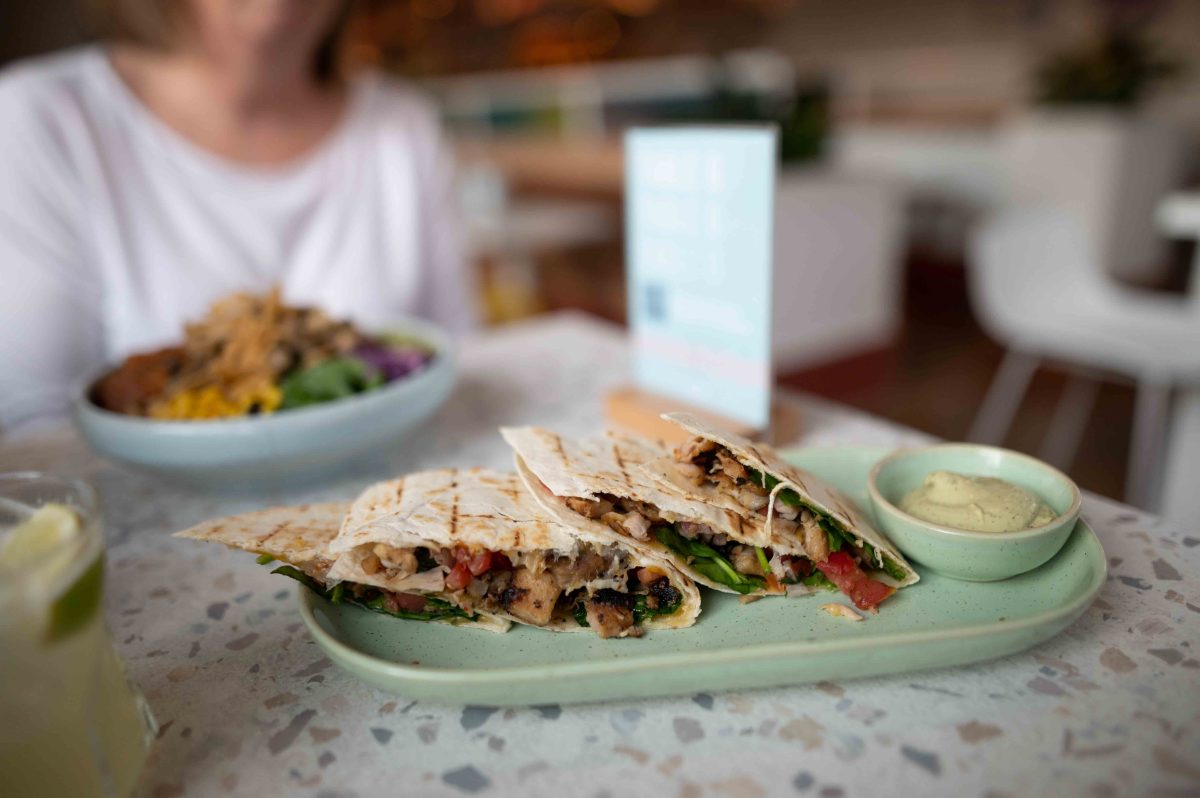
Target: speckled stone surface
[{"x": 248, "y": 705}]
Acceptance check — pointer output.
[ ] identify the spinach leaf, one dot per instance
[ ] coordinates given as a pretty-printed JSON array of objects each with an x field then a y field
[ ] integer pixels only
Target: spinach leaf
[
  {"x": 893, "y": 569},
  {"x": 374, "y": 599},
  {"x": 707, "y": 561},
  {"x": 581, "y": 613},
  {"x": 330, "y": 379},
  {"x": 641, "y": 611},
  {"x": 263, "y": 559},
  {"x": 819, "y": 581},
  {"x": 763, "y": 562}
]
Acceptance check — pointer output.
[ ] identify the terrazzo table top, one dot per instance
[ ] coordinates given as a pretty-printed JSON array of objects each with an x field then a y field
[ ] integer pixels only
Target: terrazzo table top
[{"x": 248, "y": 705}]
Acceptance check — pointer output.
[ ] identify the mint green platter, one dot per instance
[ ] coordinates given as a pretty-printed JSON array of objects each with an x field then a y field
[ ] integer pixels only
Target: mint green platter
[{"x": 938, "y": 622}]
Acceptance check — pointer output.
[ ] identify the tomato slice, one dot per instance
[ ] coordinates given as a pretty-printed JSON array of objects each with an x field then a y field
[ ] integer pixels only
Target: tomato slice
[
  {"x": 480, "y": 563},
  {"x": 459, "y": 577},
  {"x": 409, "y": 602},
  {"x": 865, "y": 592}
]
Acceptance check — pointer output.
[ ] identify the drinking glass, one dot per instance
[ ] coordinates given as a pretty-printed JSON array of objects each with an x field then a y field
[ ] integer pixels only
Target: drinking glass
[{"x": 71, "y": 721}]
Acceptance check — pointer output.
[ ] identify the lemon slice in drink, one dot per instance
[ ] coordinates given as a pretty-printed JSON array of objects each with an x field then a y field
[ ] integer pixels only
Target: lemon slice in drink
[
  {"x": 40, "y": 539},
  {"x": 46, "y": 546}
]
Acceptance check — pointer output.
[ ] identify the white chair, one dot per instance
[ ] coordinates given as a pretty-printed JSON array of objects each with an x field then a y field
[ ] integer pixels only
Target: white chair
[{"x": 1037, "y": 288}]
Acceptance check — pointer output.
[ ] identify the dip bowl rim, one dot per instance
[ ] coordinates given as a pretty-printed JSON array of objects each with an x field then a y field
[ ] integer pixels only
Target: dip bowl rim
[{"x": 883, "y": 504}]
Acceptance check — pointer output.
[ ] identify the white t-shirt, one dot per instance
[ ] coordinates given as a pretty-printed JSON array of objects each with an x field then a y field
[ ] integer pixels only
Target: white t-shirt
[{"x": 115, "y": 230}]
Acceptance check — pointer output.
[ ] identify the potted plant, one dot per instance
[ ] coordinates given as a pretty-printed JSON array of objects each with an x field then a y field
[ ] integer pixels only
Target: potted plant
[{"x": 1089, "y": 145}]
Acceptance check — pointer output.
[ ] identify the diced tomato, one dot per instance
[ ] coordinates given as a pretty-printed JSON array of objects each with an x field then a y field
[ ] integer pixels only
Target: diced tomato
[
  {"x": 864, "y": 591},
  {"x": 459, "y": 577},
  {"x": 480, "y": 563},
  {"x": 406, "y": 601},
  {"x": 500, "y": 562},
  {"x": 461, "y": 554}
]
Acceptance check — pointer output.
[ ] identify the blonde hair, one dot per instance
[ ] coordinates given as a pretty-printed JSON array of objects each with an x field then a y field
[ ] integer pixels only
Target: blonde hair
[{"x": 152, "y": 24}]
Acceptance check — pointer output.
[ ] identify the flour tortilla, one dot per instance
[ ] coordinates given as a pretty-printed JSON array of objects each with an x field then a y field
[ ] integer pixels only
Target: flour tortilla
[
  {"x": 299, "y": 536},
  {"x": 483, "y": 509},
  {"x": 614, "y": 464},
  {"x": 555, "y": 468},
  {"x": 812, "y": 491}
]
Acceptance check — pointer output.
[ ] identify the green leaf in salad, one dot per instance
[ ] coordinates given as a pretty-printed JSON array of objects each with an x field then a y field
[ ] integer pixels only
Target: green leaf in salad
[
  {"x": 330, "y": 379},
  {"x": 264, "y": 559},
  {"x": 707, "y": 561},
  {"x": 581, "y": 613}
]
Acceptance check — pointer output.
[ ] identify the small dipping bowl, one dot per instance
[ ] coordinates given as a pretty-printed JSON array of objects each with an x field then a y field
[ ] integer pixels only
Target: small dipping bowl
[{"x": 959, "y": 553}]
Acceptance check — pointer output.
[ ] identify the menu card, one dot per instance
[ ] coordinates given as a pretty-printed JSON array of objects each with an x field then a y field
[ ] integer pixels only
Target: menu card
[{"x": 699, "y": 212}]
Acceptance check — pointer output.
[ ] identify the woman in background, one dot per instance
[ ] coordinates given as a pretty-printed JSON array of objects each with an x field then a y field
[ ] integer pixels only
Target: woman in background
[{"x": 208, "y": 147}]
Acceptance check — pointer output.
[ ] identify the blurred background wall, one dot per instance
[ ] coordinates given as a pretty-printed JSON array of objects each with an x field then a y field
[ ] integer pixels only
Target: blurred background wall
[{"x": 905, "y": 126}]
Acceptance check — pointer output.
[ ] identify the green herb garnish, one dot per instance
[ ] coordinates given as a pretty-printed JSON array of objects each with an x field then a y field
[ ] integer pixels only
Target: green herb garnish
[
  {"x": 263, "y": 559},
  {"x": 707, "y": 561},
  {"x": 581, "y": 613}
]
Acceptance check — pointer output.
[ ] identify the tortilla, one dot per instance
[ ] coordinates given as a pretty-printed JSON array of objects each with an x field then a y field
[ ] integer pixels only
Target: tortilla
[
  {"x": 483, "y": 509},
  {"x": 614, "y": 464},
  {"x": 555, "y": 469},
  {"x": 812, "y": 491},
  {"x": 299, "y": 536}
]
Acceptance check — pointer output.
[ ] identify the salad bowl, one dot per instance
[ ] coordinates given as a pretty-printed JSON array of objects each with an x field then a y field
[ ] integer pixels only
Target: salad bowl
[{"x": 277, "y": 449}]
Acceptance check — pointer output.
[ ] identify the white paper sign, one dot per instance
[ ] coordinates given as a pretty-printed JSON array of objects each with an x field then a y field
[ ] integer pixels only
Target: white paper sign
[{"x": 700, "y": 206}]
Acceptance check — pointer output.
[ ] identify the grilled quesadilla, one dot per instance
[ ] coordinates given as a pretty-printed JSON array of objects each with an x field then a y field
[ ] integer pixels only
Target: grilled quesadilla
[
  {"x": 299, "y": 537},
  {"x": 602, "y": 484},
  {"x": 478, "y": 541},
  {"x": 838, "y": 546}
]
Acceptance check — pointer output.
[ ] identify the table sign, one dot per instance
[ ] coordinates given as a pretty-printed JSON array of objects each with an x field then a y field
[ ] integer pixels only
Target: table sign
[{"x": 699, "y": 213}]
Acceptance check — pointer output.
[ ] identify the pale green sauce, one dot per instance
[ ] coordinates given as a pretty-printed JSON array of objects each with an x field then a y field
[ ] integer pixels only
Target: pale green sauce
[{"x": 976, "y": 504}]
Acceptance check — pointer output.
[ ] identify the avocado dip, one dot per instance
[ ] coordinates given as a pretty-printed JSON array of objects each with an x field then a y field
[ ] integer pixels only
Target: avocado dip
[{"x": 976, "y": 504}]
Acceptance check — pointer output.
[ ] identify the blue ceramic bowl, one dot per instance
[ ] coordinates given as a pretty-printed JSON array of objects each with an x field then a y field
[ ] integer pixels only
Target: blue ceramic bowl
[
  {"x": 281, "y": 448},
  {"x": 959, "y": 553}
]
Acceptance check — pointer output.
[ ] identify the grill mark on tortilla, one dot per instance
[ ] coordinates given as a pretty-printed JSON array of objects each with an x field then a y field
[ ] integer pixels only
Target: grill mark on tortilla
[
  {"x": 454, "y": 504},
  {"x": 621, "y": 465},
  {"x": 558, "y": 447},
  {"x": 279, "y": 528},
  {"x": 400, "y": 494}
]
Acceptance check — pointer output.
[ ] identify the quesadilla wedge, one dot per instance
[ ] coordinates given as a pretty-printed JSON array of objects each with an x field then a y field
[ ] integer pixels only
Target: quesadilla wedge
[
  {"x": 299, "y": 537},
  {"x": 600, "y": 482},
  {"x": 478, "y": 541},
  {"x": 818, "y": 537}
]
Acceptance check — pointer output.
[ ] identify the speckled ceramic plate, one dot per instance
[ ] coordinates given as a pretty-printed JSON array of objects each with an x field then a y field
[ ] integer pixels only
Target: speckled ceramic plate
[{"x": 938, "y": 622}]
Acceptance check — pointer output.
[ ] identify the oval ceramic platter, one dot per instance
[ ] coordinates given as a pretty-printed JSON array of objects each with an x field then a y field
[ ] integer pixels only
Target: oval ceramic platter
[{"x": 938, "y": 622}]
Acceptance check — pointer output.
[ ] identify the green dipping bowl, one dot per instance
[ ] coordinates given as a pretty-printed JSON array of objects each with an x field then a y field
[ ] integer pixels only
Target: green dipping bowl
[{"x": 959, "y": 553}]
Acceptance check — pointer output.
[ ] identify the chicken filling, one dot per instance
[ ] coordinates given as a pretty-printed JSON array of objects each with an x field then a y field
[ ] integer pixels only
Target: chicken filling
[
  {"x": 598, "y": 587},
  {"x": 835, "y": 558},
  {"x": 742, "y": 567}
]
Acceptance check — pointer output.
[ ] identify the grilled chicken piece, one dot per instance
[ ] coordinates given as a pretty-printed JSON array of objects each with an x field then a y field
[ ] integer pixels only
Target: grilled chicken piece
[
  {"x": 589, "y": 508},
  {"x": 531, "y": 596},
  {"x": 575, "y": 571},
  {"x": 694, "y": 448},
  {"x": 636, "y": 525},
  {"x": 402, "y": 561},
  {"x": 745, "y": 560},
  {"x": 816, "y": 545},
  {"x": 611, "y": 614},
  {"x": 730, "y": 465}
]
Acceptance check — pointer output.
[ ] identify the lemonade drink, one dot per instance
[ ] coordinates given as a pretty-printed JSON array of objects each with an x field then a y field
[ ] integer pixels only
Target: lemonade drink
[{"x": 73, "y": 724}]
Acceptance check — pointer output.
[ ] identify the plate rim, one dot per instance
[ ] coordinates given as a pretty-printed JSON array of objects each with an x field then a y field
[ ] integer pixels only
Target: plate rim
[{"x": 432, "y": 674}]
